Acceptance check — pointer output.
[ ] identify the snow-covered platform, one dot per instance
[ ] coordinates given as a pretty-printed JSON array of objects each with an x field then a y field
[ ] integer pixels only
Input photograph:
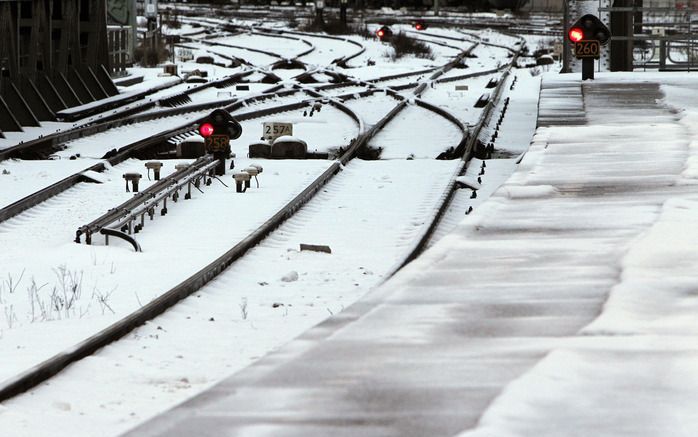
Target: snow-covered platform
[{"x": 564, "y": 305}]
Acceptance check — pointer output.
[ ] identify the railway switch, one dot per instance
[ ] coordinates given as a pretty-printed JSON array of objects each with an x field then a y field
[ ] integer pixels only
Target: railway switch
[
  {"x": 134, "y": 178},
  {"x": 155, "y": 166},
  {"x": 242, "y": 180}
]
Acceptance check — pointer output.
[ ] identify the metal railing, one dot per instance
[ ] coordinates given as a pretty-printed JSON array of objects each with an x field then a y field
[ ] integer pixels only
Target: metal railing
[
  {"x": 664, "y": 34},
  {"x": 120, "y": 43}
]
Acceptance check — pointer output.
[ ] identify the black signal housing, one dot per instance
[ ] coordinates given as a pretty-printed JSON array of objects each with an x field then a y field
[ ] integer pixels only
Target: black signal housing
[
  {"x": 591, "y": 28},
  {"x": 222, "y": 123},
  {"x": 384, "y": 33}
]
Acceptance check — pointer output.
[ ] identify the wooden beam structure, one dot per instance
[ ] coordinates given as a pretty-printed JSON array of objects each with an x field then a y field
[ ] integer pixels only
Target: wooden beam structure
[
  {"x": 55, "y": 45},
  {"x": 47, "y": 35}
]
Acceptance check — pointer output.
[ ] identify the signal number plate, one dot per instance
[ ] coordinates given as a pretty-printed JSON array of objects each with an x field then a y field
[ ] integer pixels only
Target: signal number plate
[
  {"x": 587, "y": 49},
  {"x": 218, "y": 143}
]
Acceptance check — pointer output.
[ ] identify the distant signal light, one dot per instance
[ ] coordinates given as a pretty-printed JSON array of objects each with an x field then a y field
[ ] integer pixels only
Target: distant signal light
[
  {"x": 384, "y": 33},
  {"x": 420, "y": 25},
  {"x": 576, "y": 34}
]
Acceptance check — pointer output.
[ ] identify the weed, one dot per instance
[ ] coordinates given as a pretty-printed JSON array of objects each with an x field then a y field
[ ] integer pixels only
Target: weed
[
  {"x": 404, "y": 45},
  {"x": 11, "y": 283},
  {"x": 37, "y": 306},
  {"x": 243, "y": 308},
  {"x": 67, "y": 292},
  {"x": 10, "y": 316},
  {"x": 103, "y": 299},
  {"x": 149, "y": 56}
]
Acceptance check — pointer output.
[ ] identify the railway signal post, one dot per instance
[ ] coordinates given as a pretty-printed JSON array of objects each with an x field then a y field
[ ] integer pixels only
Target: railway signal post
[
  {"x": 384, "y": 33},
  {"x": 343, "y": 11},
  {"x": 218, "y": 129},
  {"x": 319, "y": 7},
  {"x": 588, "y": 34}
]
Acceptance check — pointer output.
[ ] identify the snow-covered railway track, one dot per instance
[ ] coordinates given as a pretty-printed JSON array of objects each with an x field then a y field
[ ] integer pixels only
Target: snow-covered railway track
[
  {"x": 145, "y": 145},
  {"x": 160, "y": 103},
  {"x": 192, "y": 284},
  {"x": 391, "y": 177},
  {"x": 334, "y": 201},
  {"x": 128, "y": 150}
]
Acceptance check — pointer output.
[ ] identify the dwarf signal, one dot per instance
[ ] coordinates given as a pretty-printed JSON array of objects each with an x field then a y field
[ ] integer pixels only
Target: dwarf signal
[
  {"x": 589, "y": 27},
  {"x": 588, "y": 34},
  {"x": 218, "y": 129}
]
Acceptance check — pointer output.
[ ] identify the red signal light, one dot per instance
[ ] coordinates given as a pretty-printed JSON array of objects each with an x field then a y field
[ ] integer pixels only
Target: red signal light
[
  {"x": 419, "y": 26},
  {"x": 380, "y": 33},
  {"x": 576, "y": 34},
  {"x": 206, "y": 130}
]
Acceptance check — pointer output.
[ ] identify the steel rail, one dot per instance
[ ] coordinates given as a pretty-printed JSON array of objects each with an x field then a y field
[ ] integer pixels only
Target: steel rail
[
  {"x": 143, "y": 200},
  {"x": 338, "y": 61},
  {"x": 106, "y": 123},
  {"x": 469, "y": 143},
  {"x": 129, "y": 151},
  {"x": 52, "y": 366},
  {"x": 51, "y": 140}
]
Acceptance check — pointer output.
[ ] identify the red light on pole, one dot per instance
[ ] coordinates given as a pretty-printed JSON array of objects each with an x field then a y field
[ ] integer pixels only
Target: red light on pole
[
  {"x": 576, "y": 34},
  {"x": 380, "y": 33},
  {"x": 206, "y": 130}
]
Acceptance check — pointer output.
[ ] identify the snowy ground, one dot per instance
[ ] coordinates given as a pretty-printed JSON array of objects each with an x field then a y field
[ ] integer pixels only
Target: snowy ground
[
  {"x": 262, "y": 302},
  {"x": 629, "y": 371}
]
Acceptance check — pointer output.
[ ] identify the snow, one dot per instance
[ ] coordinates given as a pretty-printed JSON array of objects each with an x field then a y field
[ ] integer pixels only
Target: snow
[
  {"x": 629, "y": 370},
  {"x": 327, "y": 51},
  {"x": 372, "y": 108},
  {"x": 324, "y": 131},
  {"x": 290, "y": 48},
  {"x": 525, "y": 192},
  {"x": 177, "y": 354},
  {"x": 459, "y": 102},
  {"x": 22, "y": 178},
  {"x": 569, "y": 288},
  {"x": 115, "y": 269},
  {"x": 115, "y": 280},
  {"x": 435, "y": 137}
]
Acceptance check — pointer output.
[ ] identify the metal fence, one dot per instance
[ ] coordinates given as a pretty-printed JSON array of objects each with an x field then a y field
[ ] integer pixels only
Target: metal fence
[
  {"x": 120, "y": 43},
  {"x": 662, "y": 33}
]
